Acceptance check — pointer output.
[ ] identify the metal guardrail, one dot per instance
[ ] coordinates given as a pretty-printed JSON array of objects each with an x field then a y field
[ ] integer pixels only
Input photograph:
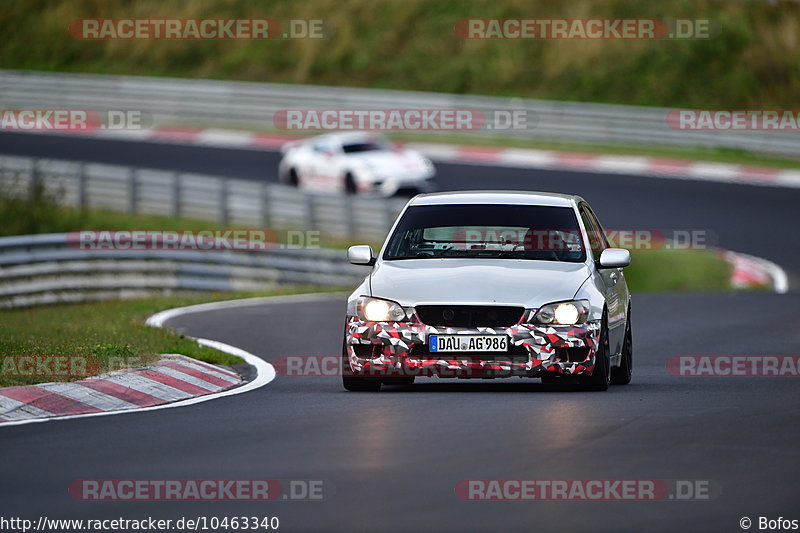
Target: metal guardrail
[
  {"x": 51, "y": 268},
  {"x": 44, "y": 269},
  {"x": 252, "y": 105},
  {"x": 227, "y": 201}
]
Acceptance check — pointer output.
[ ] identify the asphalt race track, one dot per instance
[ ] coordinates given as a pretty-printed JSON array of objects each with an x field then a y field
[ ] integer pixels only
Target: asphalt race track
[{"x": 390, "y": 461}]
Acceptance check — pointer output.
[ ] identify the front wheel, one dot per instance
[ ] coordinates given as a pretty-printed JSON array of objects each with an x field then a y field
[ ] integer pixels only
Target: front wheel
[
  {"x": 291, "y": 177},
  {"x": 622, "y": 374},
  {"x": 350, "y": 184},
  {"x": 601, "y": 376}
]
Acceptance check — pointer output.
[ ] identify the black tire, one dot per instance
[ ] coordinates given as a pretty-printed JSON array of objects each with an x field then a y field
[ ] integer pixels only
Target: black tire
[
  {"x": 292, "y": 178},
  {"x": 601, "y": 375},
  {"x": 349, "y": 184},
  {"x": 406, "y": 381},
  {"x": 621, "y": 375},
  {"x": 356, "y": 383}
]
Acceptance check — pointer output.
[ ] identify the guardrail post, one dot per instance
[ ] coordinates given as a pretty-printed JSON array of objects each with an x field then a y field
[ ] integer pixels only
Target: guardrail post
[
  {"x": 223, "y": 201},
  {"x": 266, "y": 216},
  {"x": 176, "y": 195},
  {"x": 388, "y": 218},
  {"x": 82, "y": 203},
  {"x": 311, "y": 210},
  {"x": 33, "y": 185},
  {"x": 349, "y": 216},
  {"x": 133, "y": 190}
]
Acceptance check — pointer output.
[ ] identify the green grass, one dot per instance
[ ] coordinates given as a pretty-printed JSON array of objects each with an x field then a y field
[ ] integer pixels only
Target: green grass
[
  {"x": 751, "y": 60},
  {"x": 22, "y": 217},
  {"x": 112, "y": 333},
  {"x": 677, "y": 270}
]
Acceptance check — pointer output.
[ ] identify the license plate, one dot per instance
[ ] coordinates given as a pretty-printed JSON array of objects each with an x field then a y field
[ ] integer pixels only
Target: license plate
[{"x": 468, "y": 343}]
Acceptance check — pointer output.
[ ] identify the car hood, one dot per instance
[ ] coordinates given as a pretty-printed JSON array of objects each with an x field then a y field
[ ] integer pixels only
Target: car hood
[{"x": 502, "y": 281}]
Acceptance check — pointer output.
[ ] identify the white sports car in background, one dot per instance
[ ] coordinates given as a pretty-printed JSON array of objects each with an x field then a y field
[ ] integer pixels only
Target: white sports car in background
[{"x": 355, "y": 162}]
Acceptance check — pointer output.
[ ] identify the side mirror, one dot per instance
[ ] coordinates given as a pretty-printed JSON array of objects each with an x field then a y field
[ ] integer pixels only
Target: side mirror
[
  {"x": 361, "y": 255},
  {"x": 615, "y": 258}
]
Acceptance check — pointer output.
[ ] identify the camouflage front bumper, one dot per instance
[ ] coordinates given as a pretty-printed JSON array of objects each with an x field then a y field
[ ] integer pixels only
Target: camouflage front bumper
[{"x": 400, "y": 349}]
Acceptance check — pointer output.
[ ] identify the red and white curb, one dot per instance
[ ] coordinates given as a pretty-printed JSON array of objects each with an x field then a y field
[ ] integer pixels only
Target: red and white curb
[
  {"x": 754, "y": 272},
  {"x": 174, "y": 381},
  {"x": 171, "y": 379},
  {"x": 483, "y": 155}
]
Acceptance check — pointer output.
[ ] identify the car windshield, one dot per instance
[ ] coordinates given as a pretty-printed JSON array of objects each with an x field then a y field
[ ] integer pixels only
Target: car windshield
[
  {"x": 367, "y": 146},
  {"x": 487, "y": 231}
]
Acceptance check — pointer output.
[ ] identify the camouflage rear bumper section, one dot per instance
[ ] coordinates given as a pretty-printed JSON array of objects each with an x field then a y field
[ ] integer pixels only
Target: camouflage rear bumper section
[{"x": 400, "y": 349}]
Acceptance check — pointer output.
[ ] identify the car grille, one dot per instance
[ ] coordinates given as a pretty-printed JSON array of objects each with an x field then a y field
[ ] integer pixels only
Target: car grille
[{"x": 469, "y": 316}]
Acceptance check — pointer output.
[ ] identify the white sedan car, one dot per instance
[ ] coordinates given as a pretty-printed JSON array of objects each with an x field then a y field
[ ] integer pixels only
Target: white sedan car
[
  {"x": 355, "y": 163},
  {"x": 490, "y": 284}
]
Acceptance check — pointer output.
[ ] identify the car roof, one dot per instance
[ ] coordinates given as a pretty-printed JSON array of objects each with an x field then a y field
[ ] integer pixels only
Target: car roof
[{"x": 497, "y": 197}]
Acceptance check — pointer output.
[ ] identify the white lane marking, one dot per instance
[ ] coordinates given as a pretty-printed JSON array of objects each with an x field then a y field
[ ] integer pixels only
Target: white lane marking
[
  {"x": 87, "y": 396},
  {"x": 529, "y": 158},
  {"x": 788, "y": 178},
  {"x": 265, "y": 372},
  {"x": 158, "y": 319},
  {"x": 622, "y": 164},
  {"x": 225, "y": 138},
  {"x": 12, "y": 409}
]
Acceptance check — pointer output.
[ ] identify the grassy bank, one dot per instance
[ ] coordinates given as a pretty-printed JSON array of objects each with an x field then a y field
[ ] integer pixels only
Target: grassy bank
[
  {"x": 750, "y": 60},
  {"x": 677, "y": 270},
  {"x": 111, "y": 335}
]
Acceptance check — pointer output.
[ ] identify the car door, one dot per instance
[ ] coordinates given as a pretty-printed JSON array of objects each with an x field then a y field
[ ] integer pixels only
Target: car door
[
  {"x": 607, "y": 280},
  {"x": 318, "y": 170}
]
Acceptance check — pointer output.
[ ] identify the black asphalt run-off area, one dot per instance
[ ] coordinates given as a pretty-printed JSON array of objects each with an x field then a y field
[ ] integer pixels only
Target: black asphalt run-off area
[{"x": 390, "y": 461}]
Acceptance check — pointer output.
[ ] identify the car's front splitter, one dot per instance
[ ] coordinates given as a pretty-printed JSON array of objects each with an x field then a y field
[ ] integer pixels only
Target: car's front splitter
[{"x": 400, "y": 349}]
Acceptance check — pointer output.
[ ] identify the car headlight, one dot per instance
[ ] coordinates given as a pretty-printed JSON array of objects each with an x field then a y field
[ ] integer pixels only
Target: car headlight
[
  {"x": 377, "y": 310},
  {"x": 563, "y": 313}
]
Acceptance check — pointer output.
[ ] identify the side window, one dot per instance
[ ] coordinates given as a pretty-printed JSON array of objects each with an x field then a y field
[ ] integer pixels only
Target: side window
[
  {"x": 592, "y": 232},
  {"x": 325, "y": 148},
  {"x": 602, "y": 233}
]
